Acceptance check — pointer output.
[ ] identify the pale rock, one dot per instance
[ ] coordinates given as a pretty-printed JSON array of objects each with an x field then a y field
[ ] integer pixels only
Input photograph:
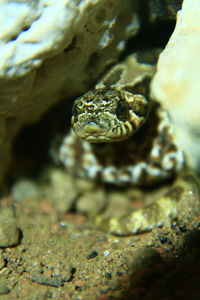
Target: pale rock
[
  {"x": 52, "y": 50},
  {"x": 177, "y": 81}
]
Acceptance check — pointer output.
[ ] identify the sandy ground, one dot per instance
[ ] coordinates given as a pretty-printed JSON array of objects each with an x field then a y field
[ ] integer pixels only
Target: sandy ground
[{"x": 51, "y": 248}]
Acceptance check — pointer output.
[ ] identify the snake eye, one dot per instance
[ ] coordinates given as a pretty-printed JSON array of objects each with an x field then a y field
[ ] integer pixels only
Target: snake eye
[{"x": 121, "y": 111}]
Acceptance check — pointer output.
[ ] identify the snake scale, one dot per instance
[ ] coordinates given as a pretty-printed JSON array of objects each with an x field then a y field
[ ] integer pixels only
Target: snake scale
[{"x": 121, "y": 136}]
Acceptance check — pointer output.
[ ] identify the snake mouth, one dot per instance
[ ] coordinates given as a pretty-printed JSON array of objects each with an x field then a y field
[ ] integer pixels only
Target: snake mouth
[
  {"x": 96, "y": 138},
  {"x": 92, "y": 132}
]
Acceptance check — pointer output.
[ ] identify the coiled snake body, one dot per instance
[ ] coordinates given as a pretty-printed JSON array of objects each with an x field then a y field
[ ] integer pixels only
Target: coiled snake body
[{"x": 120, "y": 136}]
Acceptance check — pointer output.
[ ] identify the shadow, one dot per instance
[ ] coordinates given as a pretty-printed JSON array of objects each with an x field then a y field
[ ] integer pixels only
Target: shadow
[{"x": 176, "y": 276}]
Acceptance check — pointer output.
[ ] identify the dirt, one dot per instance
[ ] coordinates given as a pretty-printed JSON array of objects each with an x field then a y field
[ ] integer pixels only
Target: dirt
[{"x": 59, "y": 253}]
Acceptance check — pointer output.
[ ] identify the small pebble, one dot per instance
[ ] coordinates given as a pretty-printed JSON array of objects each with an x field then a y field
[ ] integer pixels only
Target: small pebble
[
  {"x": 182, "y": 229},
  {"x": 106, "y": 253},
  {"x": 78, "y": 288},
  {"x": 108, "y": 275},
  {"x": 3, "y": 288},
  {"x": 164, "y": 240},
  {"x": 103, "y": 292},
  {"x": 41, "y": 279},
  {"x": 9, "y": 232},
  {"x": 23, "y": 189},
  {"x": 120, "y": 273},
  {"x": 92, "y": 254}
]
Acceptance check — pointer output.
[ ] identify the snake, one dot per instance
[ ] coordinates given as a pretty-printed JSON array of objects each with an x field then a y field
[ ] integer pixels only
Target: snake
[{"x": 119, "y": 134}]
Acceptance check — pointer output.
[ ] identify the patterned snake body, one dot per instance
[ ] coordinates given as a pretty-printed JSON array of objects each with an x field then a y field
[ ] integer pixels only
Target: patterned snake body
[{"x": 135, "y": 133}]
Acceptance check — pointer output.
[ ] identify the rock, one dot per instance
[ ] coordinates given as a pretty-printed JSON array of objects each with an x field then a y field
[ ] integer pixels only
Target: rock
[
  {"x": 176, "y": 83},
  {"x": 92, "y": 202},
  {"x": 24, "y": 189},
  {"x": 162, "y": 10},
  {"x": 54, "y": 51},
  {"x": 4, "y": 288},
  {"x": 65, "y": 192},
  {"x": 59, "y": 190},
  {"x": 9, "y": 232},
  {"x": 2, "y": 260}
]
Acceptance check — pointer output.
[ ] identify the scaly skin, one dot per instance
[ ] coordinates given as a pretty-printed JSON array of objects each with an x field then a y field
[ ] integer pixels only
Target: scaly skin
[{"x": 124, "y": 138}]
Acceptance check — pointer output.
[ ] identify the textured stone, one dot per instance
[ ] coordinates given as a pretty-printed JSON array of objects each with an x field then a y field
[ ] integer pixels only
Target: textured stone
[
  {"x": 9, "y": 232},
  {"x": 2, "y": 260},
  {"x": 54, "y": 50},
  {"x": 162, "y": 9},
  {"x": 177, "y": 85}
]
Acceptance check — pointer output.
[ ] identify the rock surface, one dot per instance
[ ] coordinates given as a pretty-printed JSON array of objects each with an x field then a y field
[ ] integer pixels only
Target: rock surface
[
  {"x": 176, "y": 83},
  {"x": 9, "y": 231},
  {"x": 63, "y": 255},
  {"x": 54, "y": 50}
]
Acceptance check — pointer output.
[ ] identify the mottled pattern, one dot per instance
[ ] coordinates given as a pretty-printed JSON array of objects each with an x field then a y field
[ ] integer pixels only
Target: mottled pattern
[
  {"x": 136, "y": 136},
  {"x": 146, "y": 161},
  {"x": 122, "y": 137},
  {"x": 118, "y": 105},
  {"x": 109, "y": 115}
]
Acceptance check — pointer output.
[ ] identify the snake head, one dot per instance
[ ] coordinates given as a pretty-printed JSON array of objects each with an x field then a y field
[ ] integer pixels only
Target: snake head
[{"x": 107, "y": 115}]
